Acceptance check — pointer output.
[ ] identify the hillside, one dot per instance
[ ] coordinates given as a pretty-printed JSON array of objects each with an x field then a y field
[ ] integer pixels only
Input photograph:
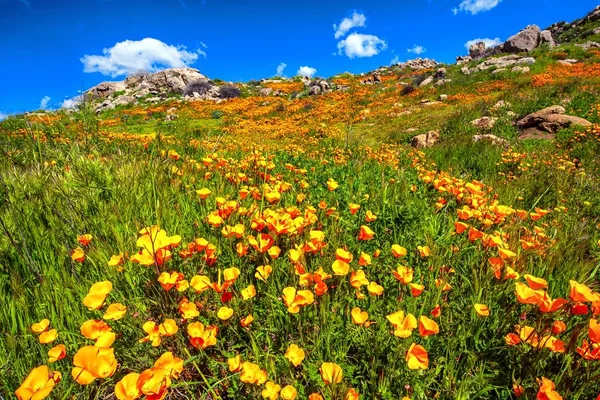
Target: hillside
[{"x": 419, "y": 231}]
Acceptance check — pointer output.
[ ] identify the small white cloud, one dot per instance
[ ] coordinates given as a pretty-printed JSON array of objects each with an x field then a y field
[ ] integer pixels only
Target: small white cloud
[
  {"x": 25, "y": 3},
  {"x": 359, "y": 45},
  {"x": 3, "y": 116},
  {"x": 131, "y": 56},
  {"x": 475, "y": 6},
  {"x": 44, "y": 102},
  {"x": 72, "y": 102},
  {"x": 356, "y": 20},
  {"x": 306, "y": 71},
  {"x": 395, "y": 60},
  {"x": 416, "y": 49},
  {"x": 203, "y": 45},
  {"x": 488, "y": 42},
  {"x": 280, "y": 69}
]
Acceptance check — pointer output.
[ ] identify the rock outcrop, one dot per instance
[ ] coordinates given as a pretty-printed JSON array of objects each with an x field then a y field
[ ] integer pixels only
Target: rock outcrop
[
  {"x": 524, "y": 41},
  {"x": 425, "y": 140},
  {"x": 548, "y": 120},
  {"x": 418, "y": 64}
]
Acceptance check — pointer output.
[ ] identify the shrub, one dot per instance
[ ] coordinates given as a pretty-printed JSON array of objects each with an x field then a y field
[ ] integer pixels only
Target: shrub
[
  {"x": 229, "y": 92},
  {"x": 199, "y": 86},
  {"x": 406, "y": 90},
  {"x": 217, "y": 114}
]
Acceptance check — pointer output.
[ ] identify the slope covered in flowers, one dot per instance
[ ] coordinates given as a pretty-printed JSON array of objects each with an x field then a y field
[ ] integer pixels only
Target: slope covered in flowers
[{"x": 290, "y": 249}]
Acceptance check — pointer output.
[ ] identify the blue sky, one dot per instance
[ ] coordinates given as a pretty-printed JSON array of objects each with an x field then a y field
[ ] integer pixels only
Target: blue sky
[{"x": 44, "y": 43}]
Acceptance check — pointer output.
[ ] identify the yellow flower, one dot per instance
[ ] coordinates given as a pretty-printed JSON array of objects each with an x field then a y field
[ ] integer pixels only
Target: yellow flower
[
  {"x": 289, "y": 393},
  {"x": 249, "y": 292},
  {"x": 359, "y": 317},
  {"x": 295, "y": 355},
  {"x": 48, "y": 336},
  {"x": 115, "y": 311},
  {"x": 224, "y": 313},
  {"x": 331, "y": 373},
  {"x": 271, "y": 391},
  {"x": 482, "y": 310}
]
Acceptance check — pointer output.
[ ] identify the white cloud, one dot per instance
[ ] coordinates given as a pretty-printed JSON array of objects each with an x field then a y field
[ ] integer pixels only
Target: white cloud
[
  {"x": 280, "y": 69},
  {"x": 203, "y": 45},
  {"x": 356, "y": 20},
  {"x": 132, "y": 56},
  {"x": 3, "y": 116},
  {"x": 417, "y": 49},
  {"x": 395, "y": 60},
  {"x": 44, "y": 102},
  {"x": 475, "y": 6},
  {"x": 488, "y": 42},
  {"x": 306, "y": 71},
  {"x": 359, "y": 45},
  {"x": 72, "y": 102}
]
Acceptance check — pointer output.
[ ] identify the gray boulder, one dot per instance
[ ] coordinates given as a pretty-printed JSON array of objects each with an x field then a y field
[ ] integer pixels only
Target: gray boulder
[
  {"x": 546, "y": 37},
  {"x": 524, "y": 41},
  {"x": 425, "y": 140},
  {"x": 105, "y": 89},
  {"x": 477, "y": 50}
]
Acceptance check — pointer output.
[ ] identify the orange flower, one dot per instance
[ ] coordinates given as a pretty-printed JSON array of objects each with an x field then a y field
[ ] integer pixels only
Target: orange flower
[
  {"x": 97, "y": 295},
  {"x": 38, "y": 384},
  {"x": 580, "y": 293},
  {"x": 78, "y": 255},
  {"x": 558, "y": 327},
  {"x": 398, "y": 251},
  {"x": 403, "y": 274},
  {"x": 126, "y": 388},
  {"x": 94, "y": 328},
  {"x": 594, "y": 331},
  {"x": 41, "y": 326},
  {"x": 535, "y": 283},
  {"x": 546, "y": 390},
  {"x": 168, "y": 280},
  {"x": 526, "y": 295},
  {"x": 403, "y": 326},
  {"x": 203, "y": 193},
  {"x": 482, "y": 310},
  {"x": 171, "y": 365},
  {"x": 437, "y": 311},
  {"x": 247, "y": 320},
  {"x": 85, "y": 239},
  {"x": 518, "y": 390},
  {"x": 358, "y": 279},
  {"x": 201, "y": 337},
  {"x": 295, "y": 299},
  {"x": 365, "y": 233},
  {"x": 352, "y": 394},
  {"x": 417, "y": 357},
  {"x": 331, "y": 373},
  {"x": 428, "y": 327},
  {"x": 370, "y": 217},
  {"x": 416, "y": 289},
  {"x": 91, "y": 363},
  {"x": 115, "y": 311},
  {"x": 364, "y": 260},
  {"x": 353, "y": 208},
  {"x": 154, "y": 383},
  {"x": 424, "y": 251},
  {"x": 263, "y": 272},
  {"x": 48, "y": 336},
  {"x": 57, "y": 353}
]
